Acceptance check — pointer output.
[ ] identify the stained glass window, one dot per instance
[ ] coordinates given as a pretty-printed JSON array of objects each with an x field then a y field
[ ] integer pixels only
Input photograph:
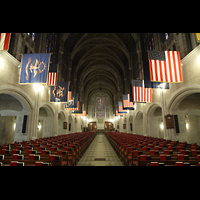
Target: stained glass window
[
  {"x": 52, "y": 46},
  {"x": 147, "y": 43},
  {"x": 100, "y": 106},
  {"x": 166, "y": 36},
  {"x": 32, "y": 35}
]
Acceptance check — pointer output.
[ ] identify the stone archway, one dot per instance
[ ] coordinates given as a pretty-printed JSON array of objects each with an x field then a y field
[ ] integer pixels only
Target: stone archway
[
  {"x": 139, "y": 123},
  {"x": 70, "y": 126},
  {"x": 186, "y": 105},
  {"x": 15, "y": 108},
  {"x": 61, "y": 120},
  {"x": 155, "y": 121},
  {"x": 130, "y": 124},
  {"x": 45, "y": 121},
  {"x": 124, "y": 125}
]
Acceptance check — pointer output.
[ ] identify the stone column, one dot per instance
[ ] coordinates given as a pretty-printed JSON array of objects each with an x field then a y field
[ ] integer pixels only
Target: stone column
[
  {"x": 144, "y": 119},
  {"x": 34, "y": 123},
  {"x": 54, "y": 127},
  {"x": 35, "y": 116}
]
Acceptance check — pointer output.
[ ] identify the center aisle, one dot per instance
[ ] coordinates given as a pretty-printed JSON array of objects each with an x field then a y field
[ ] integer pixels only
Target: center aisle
[{"x": 100, "y": 153}]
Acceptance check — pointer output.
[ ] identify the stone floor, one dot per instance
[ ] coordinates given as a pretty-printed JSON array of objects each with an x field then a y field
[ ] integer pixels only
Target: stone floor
[{"x": 100, "y": 148}]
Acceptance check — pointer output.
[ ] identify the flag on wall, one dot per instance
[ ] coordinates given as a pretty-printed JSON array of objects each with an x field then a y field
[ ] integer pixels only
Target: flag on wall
[
  {"x": 118, "y": 113},
  {"x": 59, "y": 92},
  {"x": 80, "y": 110},
  {"x": 69, "y": 92},
  {"x": 147, "y": 82},
  {"x": 141, "y": 94},
  {"x": 73, "y": 103},
  {"x": 131, "y": 93},
  {"x": 84, "y": 110},
  {"x": 120, "y": 107},
  {"x": 52, "y": 75},
  {"x": 165, "y": 66},
  {"x": 127, "y": 105},
  {"x": 34, "y": 68},
  {"x": 4, "y": 41}
]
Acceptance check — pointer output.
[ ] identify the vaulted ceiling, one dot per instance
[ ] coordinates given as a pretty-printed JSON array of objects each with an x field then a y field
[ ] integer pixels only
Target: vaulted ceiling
[{"x": 100, "y": 62}]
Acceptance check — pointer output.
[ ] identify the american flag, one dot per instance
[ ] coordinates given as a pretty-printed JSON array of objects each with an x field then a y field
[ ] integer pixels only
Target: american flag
[
  {"x": 126, "y": 101},
  {"x": 84, "y": 111},
  {"x": 147, "y": 82},
  {"x": 140, "y": 93},
  {"x": 52, "y": 75},
  {"x": 77, "y": 108},
  {"x": 4, "y": 41},
  {"x": 120, "y": 107},
  {"x": 118, "y": 113},
  {"x": 69, "y": 93},
  {"x": 165, "y": 66}
]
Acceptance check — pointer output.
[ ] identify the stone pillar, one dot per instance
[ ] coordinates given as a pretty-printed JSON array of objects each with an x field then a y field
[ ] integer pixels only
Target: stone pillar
[
  {"x": 35, "y": 117},
  {"x": 144, "y": 119},
  {"x": 54, "y": 129},
  {"x": 34, "y": 123},
  {"x": 193, "y": 40}
]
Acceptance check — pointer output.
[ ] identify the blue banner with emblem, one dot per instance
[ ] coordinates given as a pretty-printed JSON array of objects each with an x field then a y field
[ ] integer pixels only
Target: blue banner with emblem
[
  {"x": 34, "y": 68},
  {"x": 73, "y": 103},
  {"x": 59, "y": 92},
  {"x": 80, "y": 110}
]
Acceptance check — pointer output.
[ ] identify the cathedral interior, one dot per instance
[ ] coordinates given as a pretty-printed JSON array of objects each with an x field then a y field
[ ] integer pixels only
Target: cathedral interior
[{"x": 100, "y": 68}]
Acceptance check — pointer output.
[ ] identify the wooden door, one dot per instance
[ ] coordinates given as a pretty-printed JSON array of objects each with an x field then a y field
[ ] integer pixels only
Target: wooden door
[{"x": 108, "y": 126}]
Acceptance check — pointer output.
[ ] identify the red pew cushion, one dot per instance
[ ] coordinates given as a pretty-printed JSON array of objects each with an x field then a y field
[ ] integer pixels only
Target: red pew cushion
[
  {"x": 179, "y": 164},
  {"x": 166, "y": 151},
  {"x": 142, "y": 157},
  {"x": 180, "y": 157},
  {"x": 154, "y": 164},
  {"x": 162, "y": 157}
]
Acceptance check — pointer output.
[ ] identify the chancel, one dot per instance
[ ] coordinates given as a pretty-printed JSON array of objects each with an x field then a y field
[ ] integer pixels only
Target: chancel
[{"x": 99, "y": 99}]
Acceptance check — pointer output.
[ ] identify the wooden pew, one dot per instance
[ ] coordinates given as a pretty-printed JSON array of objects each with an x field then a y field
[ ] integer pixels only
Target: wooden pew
[
  {"x": 55, "y": 160},
  {"x": 70, "y": 158},
  {"x": 144, "y": 160},
  {"x": 26, "y": 163},
  {"x": 127, "y": 158}
]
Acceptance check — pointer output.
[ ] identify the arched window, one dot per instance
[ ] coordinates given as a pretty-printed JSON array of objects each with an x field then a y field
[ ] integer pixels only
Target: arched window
[
  {"x": 32, "y": 35},
  {"x": 100, "y": 106},
  {"x": 52, "y": 46}
]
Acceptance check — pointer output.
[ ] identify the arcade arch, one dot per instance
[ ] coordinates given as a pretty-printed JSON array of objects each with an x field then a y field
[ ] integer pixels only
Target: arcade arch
[
  {"x": 61, "y": 120},
  {"x": 155, "y": 121},
  {"x": 130, "y": 124},
  {"x": 70, "y": 126},
  {"x": 139, "y": 123},
  {"x": 13, "y": 108},
  {"x": 45, "y": 121},
  {"x": 186, "y": 105}
]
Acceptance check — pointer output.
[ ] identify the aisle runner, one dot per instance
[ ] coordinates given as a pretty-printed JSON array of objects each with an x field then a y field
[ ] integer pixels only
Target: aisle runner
[{"x": 100, "y": 153}]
